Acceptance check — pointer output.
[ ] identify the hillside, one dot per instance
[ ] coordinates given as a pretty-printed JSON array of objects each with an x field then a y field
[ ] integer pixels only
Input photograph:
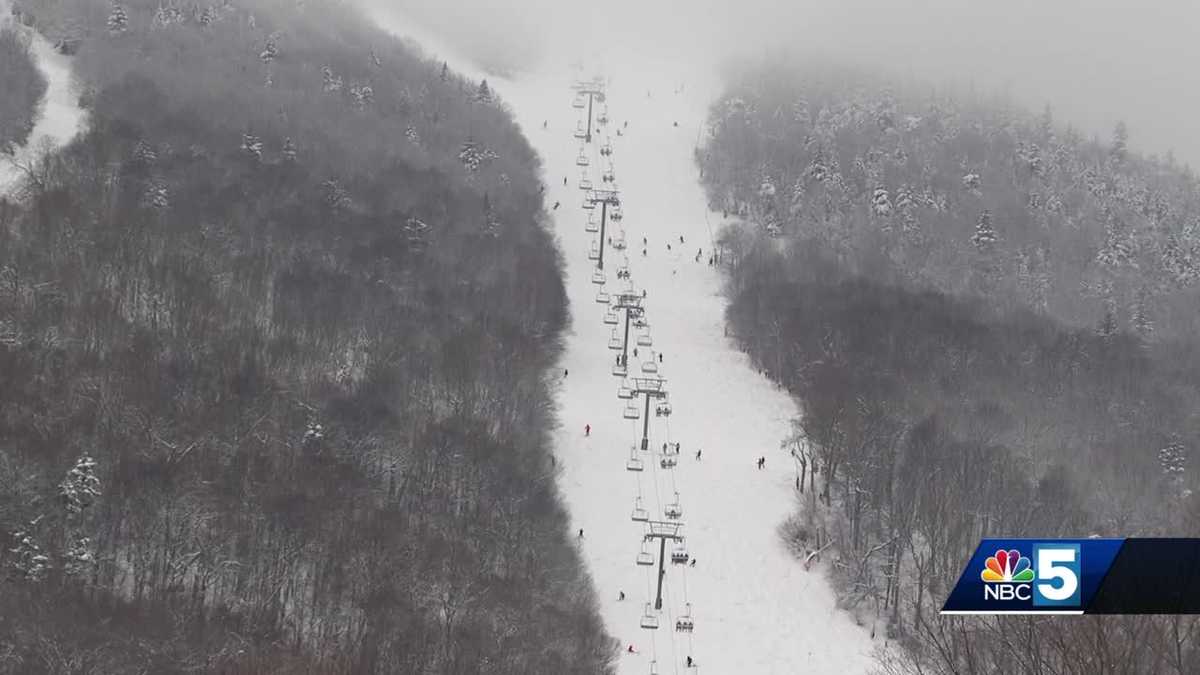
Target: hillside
[
  {"x": 983, "y": 317},
  {"x": 274, "y": 335}
]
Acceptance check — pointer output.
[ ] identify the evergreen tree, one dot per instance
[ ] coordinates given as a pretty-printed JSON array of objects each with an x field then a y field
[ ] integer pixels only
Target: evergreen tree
[
  {"x": 289, "y": 150},
  {"x": 118, "y": 18},
  {"x": 27, "y": 561},
  {"x": 484, "y": 93},
  {"x": 985, "y": 236},
  {"x": 80, "y": 487},
  {"x": 1120, "y": 142},
  {"x": 252, "y": 147}
]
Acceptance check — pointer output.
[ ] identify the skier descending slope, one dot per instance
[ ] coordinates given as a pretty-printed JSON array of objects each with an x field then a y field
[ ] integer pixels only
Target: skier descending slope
[{"x": 756, "y": 610}]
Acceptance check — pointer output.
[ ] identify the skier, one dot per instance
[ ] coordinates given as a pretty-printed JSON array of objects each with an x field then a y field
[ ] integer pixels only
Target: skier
[
  {"x": 556, "y": 205},
  {"x": 668, "y": 247},
  {"x": 660, "y": 357},
  {"x": 564, "y": 180},
  {"x": 587, "y": 430},
  {"x": 544, "y": 124},
  {"x": 643, "y": 241},
  {"x": 631, "y": 650},
  {"x": 677, "y": 124},
  {"x": 643, "y": 250},
  {"x": 620, "y": 595},
  {"x": 690, "y": 662},
  {"x": 565, "y": 372},
  {"x": 581, "y": 533},
  {"x": 635, "y": 352},
  {"x": 692, "y": 563},
  {"x": 678, "y": 447},
  {"x": 698, "y": 455},
  {"x": 681, "y": 238}
]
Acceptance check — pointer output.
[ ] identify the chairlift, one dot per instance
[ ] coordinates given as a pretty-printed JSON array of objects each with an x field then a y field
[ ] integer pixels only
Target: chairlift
[
  {"x": 649, "y": 367},
  {"x": 610, "y": 318},
  {"x": 684, "y": 623},
  {"x": 594, "y": 251},
  {"x": 588, "y": 205},
  {"x": 644, "y": 340},
  {"x": 624, "y": 392},
  {"x": 654, "y": 668},
  {"x": 640, "y": 514},
  {"x": 585, "y": 183},
  {"x": 592, "y": 226},
  {"x": 619, "y": 369},
  {"x": 582, "y": 159},
  {"x": 635, "y": 464},
  {"x": 641, "y": 322},
  {"x": 598, "y": 277},
  {"x": 623, "y": 272},
  {"x": 631, "y": 412},
  {"x": 668, "y": 462},
  {"x": 644, "y": 557},
  {"x": 679, "y": 554},
  {"x": 662, "y": 410},
  {"x": 618, "y": 242},
  {"x": 606, "y": 149},
  {"x": 580, "y": 132},
  {"x": 649, "y": 619},
  {"x": 674, "y": 510},
  {"x": 602, "y": 297},
  {"x": 608, "y": 176},
  {"x": 615, "y": 343},
  {"x": 616, "y": 215},
  {"x": 578, "y": 103}
]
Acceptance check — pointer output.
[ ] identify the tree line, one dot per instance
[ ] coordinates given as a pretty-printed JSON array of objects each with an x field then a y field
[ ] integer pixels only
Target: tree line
[
  {"x": 958, "y": 376},
  {"x": 274, "y": 342}
]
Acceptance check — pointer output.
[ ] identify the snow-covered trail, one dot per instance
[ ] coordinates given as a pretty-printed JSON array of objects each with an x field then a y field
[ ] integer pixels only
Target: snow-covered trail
[
  {"x": 59, "y": 117},
  {"x": 756, "y": 609}
]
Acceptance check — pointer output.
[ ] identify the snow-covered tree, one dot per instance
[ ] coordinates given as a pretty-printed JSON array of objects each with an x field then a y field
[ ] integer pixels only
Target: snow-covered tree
[
  {"x": 1120, "y": 142},
  {"x": 288, "y": 152},
  {"x": 1139, "y": 317},
  {"x": 252, "y": 147},
  {"x": 156, "y": 196},
  {"x": 1172, "y": 459},
  {"x": 881, "y": 202},
  {"x": 80, "y": 558},
  {"x": 984, "y": 239},
  {"x": 330, "y": 82},
  {"x": 144, "y": 154},
  {"x": 118, "y": 18},
  {"x": 80, "y": 488},
  {"x": 411, "y": 134},
  {"x": 28, "y": 561},
  {"x": 972, "y": 182},
  {"x": 271, "y": 51},
  {"x": 362, "y": 95},
  {"x": 473, "y": 155},
  {"x": 335, "y": 195}
]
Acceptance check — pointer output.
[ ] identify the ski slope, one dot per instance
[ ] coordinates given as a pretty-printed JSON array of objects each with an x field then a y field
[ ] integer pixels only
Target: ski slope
[
  {"x": 60, "y": 116},
  {"x": 756, "y": 609}
]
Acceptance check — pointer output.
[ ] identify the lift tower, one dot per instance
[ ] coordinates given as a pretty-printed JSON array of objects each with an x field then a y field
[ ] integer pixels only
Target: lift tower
[
  {"x": 594, "y": 91},
  {"x": 604, "y": 198}
]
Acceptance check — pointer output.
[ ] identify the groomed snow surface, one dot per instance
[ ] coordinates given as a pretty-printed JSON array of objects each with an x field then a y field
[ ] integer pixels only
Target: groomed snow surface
[
  {"x": 59, "y": 117},
  {"x": 755, "y": 608}
]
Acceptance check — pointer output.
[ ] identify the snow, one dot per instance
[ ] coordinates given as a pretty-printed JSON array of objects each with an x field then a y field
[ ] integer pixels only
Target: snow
[
  {"x": 60, "y": 119},
  {"x": 756, "y": 609}
]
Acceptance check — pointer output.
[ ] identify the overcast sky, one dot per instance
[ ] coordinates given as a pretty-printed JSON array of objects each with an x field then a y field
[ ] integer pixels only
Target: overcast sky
[{"x": 1094, "y": 61}]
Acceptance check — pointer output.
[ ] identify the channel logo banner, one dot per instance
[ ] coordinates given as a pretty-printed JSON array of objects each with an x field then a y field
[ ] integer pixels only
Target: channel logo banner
[{"x": 1080, "y": 576}]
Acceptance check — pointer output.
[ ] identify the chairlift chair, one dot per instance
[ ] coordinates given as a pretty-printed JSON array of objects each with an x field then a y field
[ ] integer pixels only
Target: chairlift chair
[
  {"x": 582, "y": 159},
  {"x": 588, "y": 205},
  {"x": 679, "y": 554},
  {"x": 580, "y": 132},
  {"x": 616, "y": 215},
  {"x": 606, "y": 149},
  {"x": 619, "y": 369},
  {"x": 641, "y": 322},
  {"x": 585, "y": 183},
  {"x": 578, "y": 103},
  {"x": 644, "y": 340},
  {"x": 610, "y": 318},
  {"x": 644, "y": 557},
  {"x": 602, "y": 298},
  {"x": 662, "y": 410},
  {"x": 624, "y": 392},
  {"x": 668, "y": 462},
  {"x": 635, "y": 464},
  {"x": 598, "y": 277},
  {"x": 673, "y": 510},
  {"x": 615, "y": 343},
  {"x": 649, "y": 619},
  {"x": 631, "y": 412},
  {"x": 640, "y": 514},
  {"x": 649, "y": 367},
  {"x": 591, "y": 226},
  {"x": 618, "y": 242},
  {"x": 684, "y": 623}
]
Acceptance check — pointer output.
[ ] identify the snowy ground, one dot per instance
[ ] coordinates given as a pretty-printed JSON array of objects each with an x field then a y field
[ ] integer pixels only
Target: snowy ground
[
  {"x": 756, "y": 609},
  {"x": 60, "y": 117}
]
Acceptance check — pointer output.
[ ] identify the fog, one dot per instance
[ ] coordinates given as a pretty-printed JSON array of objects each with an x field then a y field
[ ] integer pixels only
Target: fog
[{"x": 1094, "y": 61}]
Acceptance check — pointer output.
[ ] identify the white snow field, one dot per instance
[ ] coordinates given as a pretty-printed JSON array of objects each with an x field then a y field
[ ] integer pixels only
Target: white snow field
[
  {"x": 60, "y": 116},
  {"x": 755, "y": 608}
]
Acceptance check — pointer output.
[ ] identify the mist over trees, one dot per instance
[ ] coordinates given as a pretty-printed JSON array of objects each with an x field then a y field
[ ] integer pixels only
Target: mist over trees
[
  {"x": 274, "y": 335},
  {"x": 23, "y": 87},
  {"x": 987, "y": 321}
]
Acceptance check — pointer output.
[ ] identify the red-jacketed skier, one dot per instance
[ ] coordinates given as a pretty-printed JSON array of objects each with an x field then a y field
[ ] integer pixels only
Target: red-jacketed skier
[{"x": 587, "y": 430}]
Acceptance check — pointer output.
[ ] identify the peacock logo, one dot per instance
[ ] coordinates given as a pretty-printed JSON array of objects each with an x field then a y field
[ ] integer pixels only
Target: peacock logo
[{"x": 1007, "y": 567}]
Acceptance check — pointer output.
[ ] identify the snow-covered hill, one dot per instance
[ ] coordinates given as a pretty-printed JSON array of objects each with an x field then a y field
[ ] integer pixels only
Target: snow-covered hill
[
  {"x": 60, "y": 116},
  {"x": 756, "y": 609}
]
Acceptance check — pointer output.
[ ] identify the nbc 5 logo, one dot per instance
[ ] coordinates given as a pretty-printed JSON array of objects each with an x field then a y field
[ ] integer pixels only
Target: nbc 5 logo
[
  {"x": 1057, "y": 575},
  {"x": 1052, "y": 580}
]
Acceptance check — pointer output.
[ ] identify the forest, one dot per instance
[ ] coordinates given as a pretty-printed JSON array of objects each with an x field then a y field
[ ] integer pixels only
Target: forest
[
  {"x": 274, "y": 341},
  {"x": 23, "y": 87},
  {"x": 987, "y": 321}
]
